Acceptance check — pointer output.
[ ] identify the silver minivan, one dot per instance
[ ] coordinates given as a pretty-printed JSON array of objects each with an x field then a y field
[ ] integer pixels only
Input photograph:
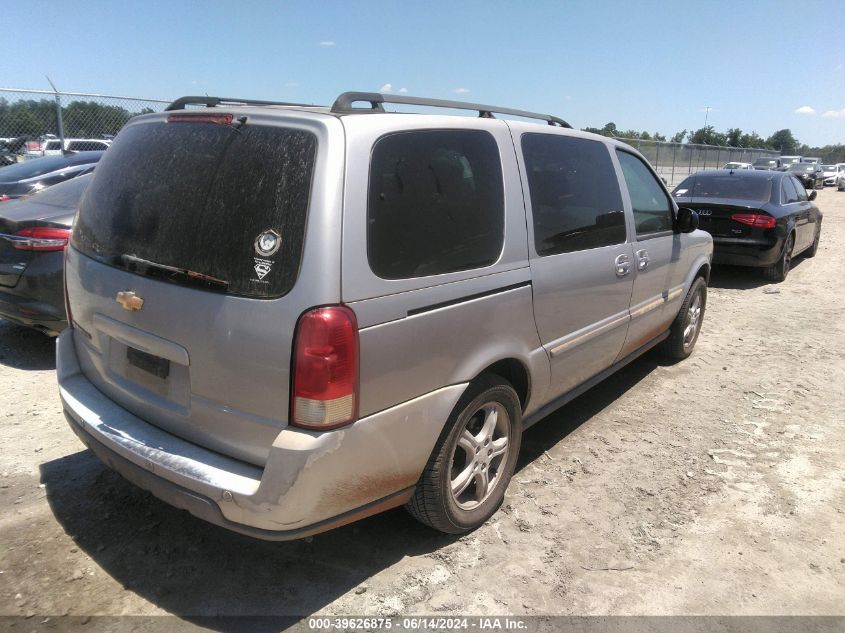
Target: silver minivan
[{"x": 284, "y": 318}]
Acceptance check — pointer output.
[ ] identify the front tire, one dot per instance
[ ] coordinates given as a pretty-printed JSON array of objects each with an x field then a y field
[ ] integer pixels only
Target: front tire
[
  {"x": 465, "y": 479},
  {"x": 687, "y": 324},
  {"x": 778, "y": 271}
]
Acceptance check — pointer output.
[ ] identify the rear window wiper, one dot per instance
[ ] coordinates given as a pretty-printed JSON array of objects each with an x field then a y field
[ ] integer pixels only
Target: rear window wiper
[{"x": 171, "y": 273}]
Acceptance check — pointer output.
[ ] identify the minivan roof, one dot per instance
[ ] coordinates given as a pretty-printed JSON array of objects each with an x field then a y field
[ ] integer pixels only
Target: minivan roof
[{"x": 344, "y": 105}]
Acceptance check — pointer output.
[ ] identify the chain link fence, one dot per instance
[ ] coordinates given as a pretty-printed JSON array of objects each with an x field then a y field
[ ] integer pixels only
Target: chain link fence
[
  {"x": 675, "y": 161},
  {"x": 34, "y": 122},
  {"x": 31, "y": 119}
]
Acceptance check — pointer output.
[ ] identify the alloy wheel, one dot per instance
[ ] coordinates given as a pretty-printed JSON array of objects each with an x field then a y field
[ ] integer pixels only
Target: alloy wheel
[{"x": 479, "y": 456}]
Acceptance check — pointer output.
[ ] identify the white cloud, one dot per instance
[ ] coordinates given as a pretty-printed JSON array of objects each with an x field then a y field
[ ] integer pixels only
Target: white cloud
[
  {"x": 403, "y": 90},
  {"x": 386, "y": 88},
  {"x": 835, "y": 114},
  {"x": 805, "y": 110},
  {"x": 291, "y": 84},
  {"x": 327, "y": 43},
  {"x": 462, "y": 91}
]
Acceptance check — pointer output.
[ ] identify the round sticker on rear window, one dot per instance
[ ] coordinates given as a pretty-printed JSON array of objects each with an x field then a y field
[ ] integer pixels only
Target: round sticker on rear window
[{"x": 267, "y": 243}]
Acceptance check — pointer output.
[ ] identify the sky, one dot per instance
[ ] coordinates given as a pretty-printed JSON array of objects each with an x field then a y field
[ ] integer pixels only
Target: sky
[{"x": 760, "y": 65}]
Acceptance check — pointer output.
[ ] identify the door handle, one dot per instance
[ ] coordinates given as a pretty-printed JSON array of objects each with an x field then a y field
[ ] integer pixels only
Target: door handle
[
  {"x": 642, "y": 259},
  {"x": 622, "y": 264}
]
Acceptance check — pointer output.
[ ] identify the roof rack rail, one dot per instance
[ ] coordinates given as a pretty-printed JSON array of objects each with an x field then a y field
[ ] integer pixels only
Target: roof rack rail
[
  {"x": 343, "y": 105},
  {"x": 210, "y": 102}
]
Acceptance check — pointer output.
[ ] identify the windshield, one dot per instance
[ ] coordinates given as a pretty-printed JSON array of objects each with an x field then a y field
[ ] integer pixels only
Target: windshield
[
  {"x": 829, "y": 167},
  {"x": 732, "y": 166},
  {"x": 763, "y": 162},
  {"x": 802, "y": 167},
  {"x": 202, "y": 203},
  {"x": 727, "y": 186}
]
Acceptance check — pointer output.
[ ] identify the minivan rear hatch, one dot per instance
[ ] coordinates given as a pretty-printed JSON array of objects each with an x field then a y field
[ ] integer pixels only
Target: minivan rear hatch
[{"x": 188, "y": 237}]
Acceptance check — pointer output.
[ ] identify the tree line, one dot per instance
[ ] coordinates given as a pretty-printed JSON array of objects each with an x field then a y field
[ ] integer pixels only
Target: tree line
[
  {"x": 782, "y": 141},
  {"x": 81, "y": 119}
]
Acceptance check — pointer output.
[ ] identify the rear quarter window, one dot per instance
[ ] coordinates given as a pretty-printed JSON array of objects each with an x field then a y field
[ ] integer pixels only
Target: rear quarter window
[{"x": 436, "y": 203}]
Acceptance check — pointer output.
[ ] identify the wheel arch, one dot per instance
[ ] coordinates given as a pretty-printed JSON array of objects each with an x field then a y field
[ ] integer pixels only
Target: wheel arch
[{"x": 516, "y": 373}]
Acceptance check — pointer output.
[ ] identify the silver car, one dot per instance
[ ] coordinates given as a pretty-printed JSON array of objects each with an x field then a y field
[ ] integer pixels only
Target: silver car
[{"x": 285, "y": 318}]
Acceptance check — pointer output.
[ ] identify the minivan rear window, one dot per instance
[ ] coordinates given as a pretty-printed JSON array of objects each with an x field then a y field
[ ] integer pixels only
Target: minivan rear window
[{"x": 217, "y": 206}]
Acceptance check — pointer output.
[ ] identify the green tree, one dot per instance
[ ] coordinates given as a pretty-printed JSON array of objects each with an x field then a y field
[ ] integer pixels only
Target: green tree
[
  {"x": 707, "y": 136},
  {"x": 734, "y": 136},
  {"x": 783, "y": 141},
  {"x": 609, "y": 129},
  {"x": 679, "y": 137},
  {"x": 753, "y": 140}
]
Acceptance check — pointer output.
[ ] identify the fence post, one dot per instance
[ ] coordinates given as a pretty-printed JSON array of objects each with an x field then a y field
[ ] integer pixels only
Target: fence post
[
  {"x": 674, "y": 149},
  {"x": 657, "y": 155},
  {"x": 59, "y": 122}
]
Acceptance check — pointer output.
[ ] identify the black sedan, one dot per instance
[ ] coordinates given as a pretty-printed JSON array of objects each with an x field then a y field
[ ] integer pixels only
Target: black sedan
[
  {"x": 757, "y": 218},
  {"x": 33, "y": 234},
  {"x": 811, "y": 175},
  {"x": 31, "y": 176}
]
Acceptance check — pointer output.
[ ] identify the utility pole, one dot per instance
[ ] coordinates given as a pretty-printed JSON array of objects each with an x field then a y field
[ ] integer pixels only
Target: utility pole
[{"x": 706, "y": 114}]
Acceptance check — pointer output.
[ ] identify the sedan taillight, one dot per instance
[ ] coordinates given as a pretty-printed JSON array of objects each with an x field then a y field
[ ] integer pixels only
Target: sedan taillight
[
  {"x": 41, "y": 238},
  {"x": 755, "y": 219}
]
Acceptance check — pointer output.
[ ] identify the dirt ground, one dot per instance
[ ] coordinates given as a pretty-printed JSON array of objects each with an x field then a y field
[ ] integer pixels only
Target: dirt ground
[{"x": 714, "y": 486}]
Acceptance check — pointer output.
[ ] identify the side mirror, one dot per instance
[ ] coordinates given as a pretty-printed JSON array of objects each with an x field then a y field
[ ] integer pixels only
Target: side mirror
[
  {"x": 687, "y": 220},
  {"x": 812, "y": 195}
]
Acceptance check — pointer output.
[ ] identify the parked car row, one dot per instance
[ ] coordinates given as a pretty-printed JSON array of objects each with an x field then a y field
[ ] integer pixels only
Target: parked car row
[
  {"x": 284, "y": 319},
  {"x": 809, "y": 169}
]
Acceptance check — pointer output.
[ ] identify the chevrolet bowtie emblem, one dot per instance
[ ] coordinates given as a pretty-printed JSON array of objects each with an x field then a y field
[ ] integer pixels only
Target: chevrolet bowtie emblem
[{"x": 129, "y": 300}]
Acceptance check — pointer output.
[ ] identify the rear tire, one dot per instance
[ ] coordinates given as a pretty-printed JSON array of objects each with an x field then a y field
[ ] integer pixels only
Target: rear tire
[
  {"x": 687, "y": 324},
  {"x": 778, "y": 271},
  {"x": 811, "y": 252},
  {"x": 472, "y": 463}
]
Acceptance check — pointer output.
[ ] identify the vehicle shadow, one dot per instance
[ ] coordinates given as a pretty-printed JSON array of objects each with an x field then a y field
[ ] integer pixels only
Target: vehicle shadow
[
  {"x": 24, "y": 348},
  {"x": 212, "y": 577},
  {"x": 743, "y": 277}
]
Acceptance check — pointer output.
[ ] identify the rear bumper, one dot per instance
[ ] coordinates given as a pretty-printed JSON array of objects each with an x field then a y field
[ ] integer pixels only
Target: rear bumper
[
  {"x": 739, "y": 252},
  {"x": 311, "y": 481}
]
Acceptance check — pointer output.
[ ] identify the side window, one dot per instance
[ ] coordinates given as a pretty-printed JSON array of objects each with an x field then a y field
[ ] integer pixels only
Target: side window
[
  {"x": 436, "y": 203},
  {"x": 575, "y": 198},
  {"x": 652, "y": 209},
  {"x": 790, "y": 194},
  {"x": 802, "y": 193}
]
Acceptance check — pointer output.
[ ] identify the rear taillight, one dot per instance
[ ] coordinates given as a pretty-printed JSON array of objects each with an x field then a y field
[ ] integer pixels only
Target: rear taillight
[
  {"x": 754, "y": 219},
  {"x": 41, "y": 238},
  {"x": 4, "y": 198},
  {"x": 325, "y": 369}
]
